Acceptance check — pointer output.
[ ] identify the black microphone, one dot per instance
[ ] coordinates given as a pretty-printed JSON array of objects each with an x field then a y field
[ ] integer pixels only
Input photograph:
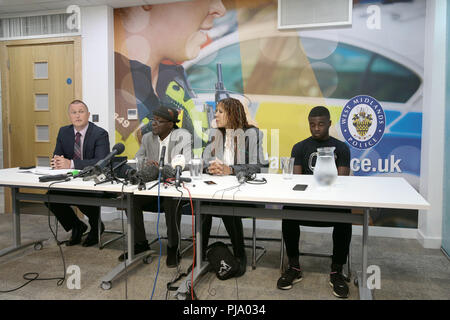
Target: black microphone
[
  {"x": 117, "y": 149},
  {"x": 243, "y": 175},
  {"x": 151, "y": 173},
  {"x": 55, "y": 177},
  {"x": 87, "y": 171},
  {"x": 148, "y": 173},
  {"x": 178, "y": 163},
  {"x": 167, "y": 172},
  {"x": 127, "y": 172},
  {"x": 161, "y": 158}
]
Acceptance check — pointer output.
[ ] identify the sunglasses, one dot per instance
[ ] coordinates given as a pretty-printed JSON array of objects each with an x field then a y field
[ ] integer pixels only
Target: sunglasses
[{"x": 158, "y": 122}]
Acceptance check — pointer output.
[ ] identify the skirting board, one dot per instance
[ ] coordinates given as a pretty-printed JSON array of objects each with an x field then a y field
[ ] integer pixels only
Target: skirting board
[{"x": 429, "y": 242}]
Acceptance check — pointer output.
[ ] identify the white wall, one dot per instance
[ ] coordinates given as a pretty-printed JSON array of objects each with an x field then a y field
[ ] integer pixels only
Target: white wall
[
  {"x": 97, "y": 46},
  {"x": 433, "y": 126}
]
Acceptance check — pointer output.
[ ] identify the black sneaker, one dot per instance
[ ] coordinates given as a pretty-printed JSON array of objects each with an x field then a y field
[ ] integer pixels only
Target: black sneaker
[
  {"x": 339, "y": 285},
  {"x": 289, "y": 277}
]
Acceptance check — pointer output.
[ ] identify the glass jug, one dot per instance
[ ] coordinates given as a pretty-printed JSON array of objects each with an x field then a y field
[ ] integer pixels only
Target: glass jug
[{"x": 325, "y": 171}]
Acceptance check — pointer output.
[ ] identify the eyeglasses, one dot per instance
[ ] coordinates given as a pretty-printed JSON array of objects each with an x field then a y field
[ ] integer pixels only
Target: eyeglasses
[{"x": 158, "y": 122}]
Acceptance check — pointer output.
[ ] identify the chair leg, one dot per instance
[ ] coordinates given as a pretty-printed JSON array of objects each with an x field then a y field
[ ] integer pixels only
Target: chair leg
[
  {"x": 349, "y": 263},
  {"x": 99, "y": 233},
  {"x": 56, "y": 229},
  {"x": 101, "y": 245},
  {"x": 281, "y": 254}
]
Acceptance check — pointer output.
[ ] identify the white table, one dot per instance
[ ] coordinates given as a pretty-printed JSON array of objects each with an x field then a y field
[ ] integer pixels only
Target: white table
[
  {"x": 120, "y": 197},
  {"x": 350, "y": 192}
]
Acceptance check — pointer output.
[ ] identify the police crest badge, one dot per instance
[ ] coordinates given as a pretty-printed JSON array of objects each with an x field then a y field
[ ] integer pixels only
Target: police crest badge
[{"x": 363, "y": 122}]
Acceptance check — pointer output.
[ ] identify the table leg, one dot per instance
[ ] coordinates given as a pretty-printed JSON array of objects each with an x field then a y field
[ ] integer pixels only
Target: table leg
[
  {"x": 130, "y": 225},
  {"x": 17, "y": 243},
  {"x": 200, "y": 265},
  {"x": 132, "y": 258},
  {"x": 364, "y": 291}
]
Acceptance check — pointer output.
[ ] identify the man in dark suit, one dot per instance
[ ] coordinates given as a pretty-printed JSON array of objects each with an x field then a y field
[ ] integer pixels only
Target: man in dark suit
[{"x": 79, "y": 145}]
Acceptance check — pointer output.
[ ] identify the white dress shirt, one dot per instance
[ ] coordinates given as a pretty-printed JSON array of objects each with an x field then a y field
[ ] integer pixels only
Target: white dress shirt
[{"x": 165, "y": 143}]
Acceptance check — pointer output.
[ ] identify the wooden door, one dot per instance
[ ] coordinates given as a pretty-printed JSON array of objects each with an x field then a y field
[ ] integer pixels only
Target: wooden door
[{"x": 42, "y": 78}]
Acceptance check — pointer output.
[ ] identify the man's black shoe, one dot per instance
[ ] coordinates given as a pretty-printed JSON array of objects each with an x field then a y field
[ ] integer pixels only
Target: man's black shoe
[
  {"x": 138, "y": 248},
  {"x": 92, "y": 238},
  {"x": 77, "y": 233},
  {"x": 173, "y": 257}
]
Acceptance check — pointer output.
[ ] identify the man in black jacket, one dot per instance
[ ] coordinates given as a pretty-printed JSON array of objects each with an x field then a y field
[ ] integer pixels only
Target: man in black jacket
[{"x": 79, "y": 145}]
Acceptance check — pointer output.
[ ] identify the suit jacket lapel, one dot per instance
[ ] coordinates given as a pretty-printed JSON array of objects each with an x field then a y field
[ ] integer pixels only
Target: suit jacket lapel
[
  {"x": 87, "y": 140},
  {"x": 154, "y": 148},
  {"x": 170, "y": 148},
  {"x": 71, "y": 141}
]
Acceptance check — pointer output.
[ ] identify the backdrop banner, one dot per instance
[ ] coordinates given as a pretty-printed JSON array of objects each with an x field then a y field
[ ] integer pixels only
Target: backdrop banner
[{"x": 369, "y": 75}]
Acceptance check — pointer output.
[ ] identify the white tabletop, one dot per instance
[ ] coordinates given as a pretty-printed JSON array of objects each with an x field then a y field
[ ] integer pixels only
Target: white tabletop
[
  {"x": 351, "y": 191},
  {"x": 347, "y": 191},
  {"x": 13, "y": 177}
]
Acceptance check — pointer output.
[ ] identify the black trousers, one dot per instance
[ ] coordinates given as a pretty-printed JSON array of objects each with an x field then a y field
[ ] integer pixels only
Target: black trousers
[
  {"x": 235, "y": 230},
  {"x": 342, "y": 235},
  {"x": 67, "y": 216},
  {"x": 171, "y": 213}
]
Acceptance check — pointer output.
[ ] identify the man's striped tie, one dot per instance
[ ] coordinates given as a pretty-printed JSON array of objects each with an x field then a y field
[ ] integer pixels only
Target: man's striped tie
[{"x": 77, "y": 147}]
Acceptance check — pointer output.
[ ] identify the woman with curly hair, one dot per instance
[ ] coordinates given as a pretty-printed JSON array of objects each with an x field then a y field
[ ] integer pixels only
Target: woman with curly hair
[{"x": 236, "y": 146}]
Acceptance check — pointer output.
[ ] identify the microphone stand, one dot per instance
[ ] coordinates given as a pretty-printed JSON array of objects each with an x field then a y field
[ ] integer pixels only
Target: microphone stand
[{"x": 111, "y": 177}]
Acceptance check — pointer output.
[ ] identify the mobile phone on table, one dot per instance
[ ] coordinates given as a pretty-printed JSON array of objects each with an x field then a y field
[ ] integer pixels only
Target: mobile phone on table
[
  {"x": 300, "y": 187},
  {"x": 209, "y": 182}
]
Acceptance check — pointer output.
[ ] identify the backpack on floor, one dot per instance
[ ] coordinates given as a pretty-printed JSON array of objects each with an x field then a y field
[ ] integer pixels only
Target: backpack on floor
[{"x": 222, "y": 261}]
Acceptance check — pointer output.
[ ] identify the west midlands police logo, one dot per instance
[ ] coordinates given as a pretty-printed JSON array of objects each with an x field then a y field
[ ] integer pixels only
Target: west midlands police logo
[{"x": 363, "y": 122}]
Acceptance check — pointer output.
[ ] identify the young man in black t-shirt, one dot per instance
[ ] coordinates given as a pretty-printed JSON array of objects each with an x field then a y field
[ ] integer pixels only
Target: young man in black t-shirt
[{"x": 319, "y": 124}]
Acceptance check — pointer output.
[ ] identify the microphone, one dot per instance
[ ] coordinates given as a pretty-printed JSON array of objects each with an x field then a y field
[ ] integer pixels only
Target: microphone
[
  {"x": 161, "y": 158},
  {"x": 151, "y": 173},
  {"x": 167, "y": 172},
  {"x": 248, "y": 175},
  {"x": 126, "y": 172},
  {"x": 243, "y": 175},
  {"x": 240, "y": 176},
  {"x": 148, "y": 173},
  {"x": 54, "y": 177},
  {"x": 85, "y": 172},
  {"x": 58, "y": 177},
  {"x": 178, "y": 163},
  {"x": 117, "y": 149}
]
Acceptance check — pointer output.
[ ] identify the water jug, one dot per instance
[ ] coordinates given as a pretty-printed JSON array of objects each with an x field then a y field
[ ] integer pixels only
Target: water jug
[{"x": 325, "y": 171}]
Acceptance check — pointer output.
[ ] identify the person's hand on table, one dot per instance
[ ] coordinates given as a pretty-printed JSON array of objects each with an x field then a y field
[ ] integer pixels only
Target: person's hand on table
[
  {"x": 59, "y": 162},
  {"x": 218, "y": 168}
]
